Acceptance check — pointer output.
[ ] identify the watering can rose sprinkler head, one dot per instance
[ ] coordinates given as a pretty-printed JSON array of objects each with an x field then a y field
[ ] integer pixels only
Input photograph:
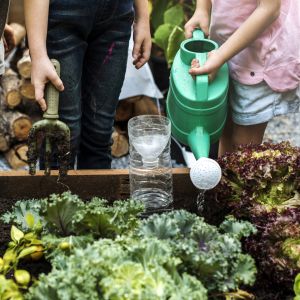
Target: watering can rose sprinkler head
[
  {"x": 205, "y": 173},
  {"x": 52, "y": 132}
]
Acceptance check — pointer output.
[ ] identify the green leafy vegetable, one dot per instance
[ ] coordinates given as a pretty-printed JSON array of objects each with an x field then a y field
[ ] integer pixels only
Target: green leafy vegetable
[
  {"x": 213, "y": 257},
  {"x": 117, "y": 273},
  {"x": 58, "y": 212},
  {"x": 25, "y": 215}
]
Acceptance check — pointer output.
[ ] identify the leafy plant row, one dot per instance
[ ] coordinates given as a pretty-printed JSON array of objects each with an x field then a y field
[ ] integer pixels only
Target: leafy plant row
[{"x": 102, "y": 251}]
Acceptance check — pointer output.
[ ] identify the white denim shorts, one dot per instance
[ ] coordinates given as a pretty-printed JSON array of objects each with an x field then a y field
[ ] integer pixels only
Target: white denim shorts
[
  {"x": 256, "y": 104},
  {"x": 1, "y": 58}
]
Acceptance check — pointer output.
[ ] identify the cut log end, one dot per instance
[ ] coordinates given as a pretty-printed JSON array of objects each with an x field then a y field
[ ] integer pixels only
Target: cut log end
[
  {"x": 10, "y": 84},
  {"x": 13, "y": 98},
  {"x": 24, "y": 65},
  {"x": 21, "y": 128},
  {"x": 120, "y": 145},
  {"x": 17, "y": 156},
  {"x": 4, "y": 143},
  {"x": 27, "y": 90}
]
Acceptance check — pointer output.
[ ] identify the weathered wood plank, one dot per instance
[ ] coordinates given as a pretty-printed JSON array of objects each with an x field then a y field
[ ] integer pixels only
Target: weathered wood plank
[{"x": 109, "y": 184}]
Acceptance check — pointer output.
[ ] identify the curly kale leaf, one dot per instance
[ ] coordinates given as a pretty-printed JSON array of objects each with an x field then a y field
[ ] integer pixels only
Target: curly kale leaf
[
  {"x": 116, "y": 273},
  {"x": 25, "y": 215},
  {"x": 59, "y": 211},
  {"x": 213, "y": 257},
  {"x": 60, "y": 246},
  {"x": 168, "y": 226},
  {"x": 238, "y": 228},
  {"x": 106, "y": 221}
]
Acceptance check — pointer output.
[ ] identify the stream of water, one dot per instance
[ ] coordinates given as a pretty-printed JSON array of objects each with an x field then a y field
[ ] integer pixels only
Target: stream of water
[{"x": 200, "y": 201}]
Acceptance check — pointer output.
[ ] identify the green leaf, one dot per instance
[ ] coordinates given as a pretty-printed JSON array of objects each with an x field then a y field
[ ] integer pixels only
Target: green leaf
[
  {"x": 16, "y": 234},
  {"x": 59, "y": 211},
  {"x": 161, "y": 35},
  {"x": 23, "y": 214},
  {"x": 29, "y": 218},
  {"x": 27, "y": 251},
  {"x": 175, "y": 39},
  {"x": 174, "y": 15},
  {"x": 297, "y": 285},
  {"x": 238, "y": 228},
  {"x": 157, "y": 14}
]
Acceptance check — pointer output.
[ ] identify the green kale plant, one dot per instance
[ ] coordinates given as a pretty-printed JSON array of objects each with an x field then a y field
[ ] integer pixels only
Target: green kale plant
[
  {"x": 212, "y": 255},
  {"x": 25, "y": 215},
  {"x": 121, "y": 269}
]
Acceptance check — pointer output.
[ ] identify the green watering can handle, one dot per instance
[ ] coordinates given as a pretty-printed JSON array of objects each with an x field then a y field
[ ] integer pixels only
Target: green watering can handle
[
  {"x": 201, "y": 80},
  {"x": 52, "y": 96},
  {"x": 198, "y": 34}
]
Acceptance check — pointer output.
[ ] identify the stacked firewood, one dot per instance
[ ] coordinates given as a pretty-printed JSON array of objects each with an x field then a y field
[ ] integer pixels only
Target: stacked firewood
[
  {"x": 128, "y": 108},
  {"x": 18, "y": 109}
]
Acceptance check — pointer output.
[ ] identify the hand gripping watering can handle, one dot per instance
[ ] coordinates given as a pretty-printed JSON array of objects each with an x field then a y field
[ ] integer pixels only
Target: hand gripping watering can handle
[
  {"x": 52, "y": 95},
  {"x": 201, "y": 80}
]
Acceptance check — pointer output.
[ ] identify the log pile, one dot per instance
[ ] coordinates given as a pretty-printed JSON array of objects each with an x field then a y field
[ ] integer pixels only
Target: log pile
[
  {"x": 127, "y": 109},
  {"x": 18, "y": 109}
]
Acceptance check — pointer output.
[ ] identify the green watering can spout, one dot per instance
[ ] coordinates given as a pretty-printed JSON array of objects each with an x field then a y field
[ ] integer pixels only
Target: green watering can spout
[{"x": 199, "y": 142}]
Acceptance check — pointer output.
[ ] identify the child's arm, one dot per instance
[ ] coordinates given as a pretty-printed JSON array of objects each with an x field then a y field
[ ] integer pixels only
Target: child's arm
[
  {"x": 200, "y": 19},
  {"x": 42, "y": 71},
  {"x": 141, "y": 34},
  {"x": 265, "y": 14}
]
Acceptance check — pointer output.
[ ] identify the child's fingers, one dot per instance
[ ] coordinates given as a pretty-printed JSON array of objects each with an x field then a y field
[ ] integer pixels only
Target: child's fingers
[
  {"x": 198, "y": 71},
  {"x": 188, "y": 30},
  {"x": 56, "y": 81},
  {"x": 39, "y": 95},
  {"x": 136, "y": 49}
]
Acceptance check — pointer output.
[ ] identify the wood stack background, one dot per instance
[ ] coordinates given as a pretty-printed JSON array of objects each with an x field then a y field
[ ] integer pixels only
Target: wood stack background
[{"x": 19, "y": 110}]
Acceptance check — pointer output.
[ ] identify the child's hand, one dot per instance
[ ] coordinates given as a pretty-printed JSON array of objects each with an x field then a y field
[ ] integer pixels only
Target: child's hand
[
  {"x": 142, "y": 43},
  {"x": 9, "y": 38},
  {"x": 198, "y": 20},
  {"x": 211, "y": 66},
  {"x": 42, "y": 71}
]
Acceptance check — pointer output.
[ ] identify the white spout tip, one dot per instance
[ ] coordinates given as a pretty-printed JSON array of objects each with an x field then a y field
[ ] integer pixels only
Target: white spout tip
[{"x": 205, "y": 173}]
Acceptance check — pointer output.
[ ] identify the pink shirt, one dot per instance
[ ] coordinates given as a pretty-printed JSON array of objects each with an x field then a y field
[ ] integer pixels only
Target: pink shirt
[{"x": 274, "y": 56}]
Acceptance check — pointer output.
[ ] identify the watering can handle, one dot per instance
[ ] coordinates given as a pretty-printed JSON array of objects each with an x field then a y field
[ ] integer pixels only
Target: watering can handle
[
  {"x": 52, "y": 95},
  {"x": 201, "y": 80},
  {"x": 198, "y": 34}
]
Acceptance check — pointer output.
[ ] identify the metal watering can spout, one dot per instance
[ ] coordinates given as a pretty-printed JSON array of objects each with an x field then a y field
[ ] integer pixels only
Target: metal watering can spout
[{"x": 197, "y": 108}]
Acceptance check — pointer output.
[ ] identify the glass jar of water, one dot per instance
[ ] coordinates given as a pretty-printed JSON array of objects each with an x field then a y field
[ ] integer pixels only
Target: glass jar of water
[{"x": 150, "y": 168}]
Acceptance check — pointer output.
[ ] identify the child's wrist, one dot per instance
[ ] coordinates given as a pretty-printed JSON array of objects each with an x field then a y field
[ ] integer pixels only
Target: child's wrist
[{"x": 201, "y": 13}]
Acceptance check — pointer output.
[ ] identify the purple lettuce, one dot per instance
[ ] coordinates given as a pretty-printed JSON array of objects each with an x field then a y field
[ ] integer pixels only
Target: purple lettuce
[{"x": 261, "y": 184}]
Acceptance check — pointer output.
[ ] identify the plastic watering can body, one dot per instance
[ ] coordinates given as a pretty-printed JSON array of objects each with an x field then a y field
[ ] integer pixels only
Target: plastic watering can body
[{"x": 197, "y": 109}]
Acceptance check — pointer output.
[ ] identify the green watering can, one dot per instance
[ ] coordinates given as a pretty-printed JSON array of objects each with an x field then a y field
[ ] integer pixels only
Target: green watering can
[{"x": 197, "y": 108}]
